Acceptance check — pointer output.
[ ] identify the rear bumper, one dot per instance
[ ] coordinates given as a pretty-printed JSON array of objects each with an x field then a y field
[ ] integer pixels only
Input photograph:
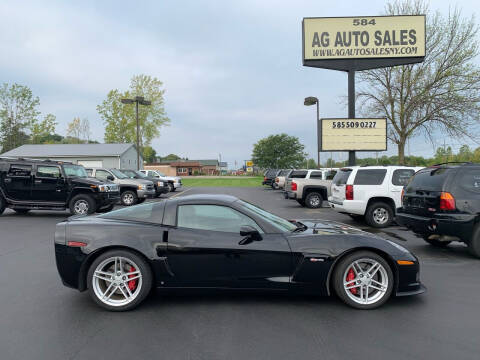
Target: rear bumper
[
  {"x": 458, "y": 225},
  {"x": 267, "y": 182},
  {"x": 348, "y": 206},
  {"x": 290, "y": 195}
]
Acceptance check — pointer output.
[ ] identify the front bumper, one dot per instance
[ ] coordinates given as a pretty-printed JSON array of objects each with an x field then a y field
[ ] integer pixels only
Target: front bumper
[
  {"x": 142, "y": 194},
  {"x": 69, "y": 262},
  {"x": 177, "y": 185},
  {"x": 458, "y": 225},
  {"x": 107, "y": 198}
]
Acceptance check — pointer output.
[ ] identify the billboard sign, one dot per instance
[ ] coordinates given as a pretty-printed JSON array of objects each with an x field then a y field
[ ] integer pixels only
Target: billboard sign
[
  {"x": 249, "y": 163},
  {"x": 372, "y": 41},
  {"x": 353, "y": 135}
]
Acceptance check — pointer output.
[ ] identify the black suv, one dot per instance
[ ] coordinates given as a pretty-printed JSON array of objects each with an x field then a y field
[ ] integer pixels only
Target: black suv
[
  {"x": 269, "y": 177},
  {"x": 442, "y": 204},
  {"x": 27, "y": 184}
]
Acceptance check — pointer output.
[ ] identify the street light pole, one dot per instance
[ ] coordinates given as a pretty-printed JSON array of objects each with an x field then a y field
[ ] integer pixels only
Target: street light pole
[
  {"x": 311, "y": 100},
  {"x": 137, "y": 100}
]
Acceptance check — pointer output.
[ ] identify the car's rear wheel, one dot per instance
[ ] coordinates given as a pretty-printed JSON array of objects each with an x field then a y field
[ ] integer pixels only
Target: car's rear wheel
[
  {"x": 313, "y": 200},
  {"x": 474, "y": 244},
  {"x": 119, "y": 280},
  {"x": 171, "y": 188},
  {"x": 3, "y": 205},
  {"x": 379, "y": 215},
  {"x": 129, "y": 198},
  {"x": 21, "y": 211},
  {"x": 436, "y": 242},
  {"x": 82, "y": 204},
  {"x": 363, "y": 280}
]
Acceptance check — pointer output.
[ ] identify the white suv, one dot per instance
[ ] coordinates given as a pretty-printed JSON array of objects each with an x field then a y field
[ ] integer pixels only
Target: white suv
[{"x": 371, "y": 191}]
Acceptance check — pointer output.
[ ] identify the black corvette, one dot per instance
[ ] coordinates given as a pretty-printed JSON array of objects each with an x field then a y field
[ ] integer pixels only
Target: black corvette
[{"x": 219, "y": 241}]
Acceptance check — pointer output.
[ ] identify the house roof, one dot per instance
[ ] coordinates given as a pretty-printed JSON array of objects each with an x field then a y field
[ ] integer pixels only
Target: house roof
[
  {"x": 68, "y": 150},
  {"x": 185, "y": 163}
]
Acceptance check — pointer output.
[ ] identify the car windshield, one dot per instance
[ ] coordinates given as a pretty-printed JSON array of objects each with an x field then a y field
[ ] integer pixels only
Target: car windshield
[
  {"x": 119, "y": 174},
  {"x": 75, "y": 171},
  {"x": 276, "y": 221},
  {"x": 160, "y": 174},
  {"x": 130, "y": 173},
  {"x": 139, "y": 173}
]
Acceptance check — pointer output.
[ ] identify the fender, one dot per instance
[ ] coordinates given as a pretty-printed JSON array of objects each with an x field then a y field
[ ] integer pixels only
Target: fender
[{"x": 322, "y": 189}]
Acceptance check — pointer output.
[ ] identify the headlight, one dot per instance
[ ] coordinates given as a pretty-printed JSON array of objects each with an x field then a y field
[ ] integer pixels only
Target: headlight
[
  {"x": 141, "y": 187},
  {"x": 160, "y": 183},
  {"x": 102, "y": 188}
]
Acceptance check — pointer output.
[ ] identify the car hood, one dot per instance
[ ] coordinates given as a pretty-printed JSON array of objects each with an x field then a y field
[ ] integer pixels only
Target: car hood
[
  {"x": 326, "y": 227},
  {"x": 170, "y": 178},
  {"x": 133, "y": 181},
  {"x": 89, "y": 181}
]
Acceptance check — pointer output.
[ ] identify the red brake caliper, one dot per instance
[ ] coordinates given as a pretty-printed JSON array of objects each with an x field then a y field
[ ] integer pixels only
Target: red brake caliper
[
  {"x": 132, "y": 284},
  {"x": 350, "y": 277}
]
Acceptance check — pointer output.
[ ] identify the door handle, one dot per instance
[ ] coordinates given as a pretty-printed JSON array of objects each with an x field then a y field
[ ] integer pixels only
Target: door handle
[
  {"x": 7, "y": 180},
  {"x": 38, "y": 181}
]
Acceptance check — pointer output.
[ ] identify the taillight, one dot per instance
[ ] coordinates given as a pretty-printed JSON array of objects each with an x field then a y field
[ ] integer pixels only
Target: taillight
[
  {"x": 264, "y": 178},
  {"x": 276, "y": 180},
  {"x": 349, "y": 192},
  {"x": 293, "y": 186},
  {"x": 447, "y": 201}
]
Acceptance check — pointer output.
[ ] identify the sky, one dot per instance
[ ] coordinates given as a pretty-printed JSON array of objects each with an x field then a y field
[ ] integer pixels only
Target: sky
[{"x": 232, "y": 70}]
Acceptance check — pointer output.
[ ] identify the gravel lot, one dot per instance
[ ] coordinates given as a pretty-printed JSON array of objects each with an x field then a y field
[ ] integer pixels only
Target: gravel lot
[{"x": 42, "y": 319}]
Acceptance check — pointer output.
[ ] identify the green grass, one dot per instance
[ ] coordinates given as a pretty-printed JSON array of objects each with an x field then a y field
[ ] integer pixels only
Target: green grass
[{"x": 241, "y": 181}]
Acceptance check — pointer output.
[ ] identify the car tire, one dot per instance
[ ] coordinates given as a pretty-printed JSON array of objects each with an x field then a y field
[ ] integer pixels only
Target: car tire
[
  {"x": 3, "y": 205},
  {"x": 436, "y": 242},
  {"x": 474, "y": 244},
  {"x": 129, "y": 198},
  {"x": 314, "y": 200},
  {"x": 171, "y": 188},
  {"x": 352, "y": 291},
  {"x": 82, "y": 204},
  {"x": 21, "y": 211},
  {"x": 379, "y": 215},
  {"x": 105, "y": 263},
  {"x": 106, "y": 209}
]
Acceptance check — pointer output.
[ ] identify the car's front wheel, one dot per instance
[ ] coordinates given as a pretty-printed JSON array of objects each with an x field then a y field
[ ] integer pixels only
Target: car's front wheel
[
  {"x": 171, "y": 188},
  {"x": 474, "y": 244},
  {"x": 119, "y": 280},
  {"x": 82, "y": 204},
  {"x": 129, "y": 198},
  {"x": 314, "y": 200},
  {"x": 363, "y": 280},
  {"x": 379, "y": 215}
]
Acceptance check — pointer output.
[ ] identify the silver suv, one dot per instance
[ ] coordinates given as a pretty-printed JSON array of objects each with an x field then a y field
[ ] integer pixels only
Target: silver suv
[{"x": 132, "y": 191}]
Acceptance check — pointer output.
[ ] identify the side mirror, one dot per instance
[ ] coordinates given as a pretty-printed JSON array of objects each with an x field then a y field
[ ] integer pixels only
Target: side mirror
[
  {"x": 110, "y": 177},
  {"x": 251, "y": 234}
]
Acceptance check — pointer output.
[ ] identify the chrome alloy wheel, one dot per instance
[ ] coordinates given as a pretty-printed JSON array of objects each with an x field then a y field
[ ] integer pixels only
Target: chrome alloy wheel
[
  {"x": 315, "y": 200},
  {"x": 81, "y": 207},
  {"x": 380, "y": 215},
  {"x": 365, "y": 281},
  {"x": 117, "y": 281},
  {"x": 128, "y": 199}
]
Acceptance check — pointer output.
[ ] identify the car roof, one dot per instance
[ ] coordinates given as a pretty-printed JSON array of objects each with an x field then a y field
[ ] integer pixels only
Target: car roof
[
  {"x": 36, "y": 161},
  {"x": 220, "y": 198}
]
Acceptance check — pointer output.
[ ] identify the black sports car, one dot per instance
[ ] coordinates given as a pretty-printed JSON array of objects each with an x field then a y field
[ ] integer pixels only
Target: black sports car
[{"x": 219, "y": 241}]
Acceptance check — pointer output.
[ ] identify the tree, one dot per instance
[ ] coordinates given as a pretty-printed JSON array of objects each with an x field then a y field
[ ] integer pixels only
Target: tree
[
  {"x": 278, "y": 151},
  {"x": 120, "y": 119},
  {"x": 40, "y": 131},
  {"x": 18, "y": 112},
  {"x": 149, "y": 154},
  {"x": 171, "y": 157},
  {"x": 440, "y": 94},
  {"x": 79, "y": 130},
  {"x": 309, "y": 164}
]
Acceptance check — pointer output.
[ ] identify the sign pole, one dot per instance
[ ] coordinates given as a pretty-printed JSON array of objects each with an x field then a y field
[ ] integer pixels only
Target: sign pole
[{"x": 351, "y": 109}]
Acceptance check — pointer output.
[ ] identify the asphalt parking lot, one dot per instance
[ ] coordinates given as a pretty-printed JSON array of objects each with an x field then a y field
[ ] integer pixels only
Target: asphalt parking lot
[{"x": 42, "y": 319}]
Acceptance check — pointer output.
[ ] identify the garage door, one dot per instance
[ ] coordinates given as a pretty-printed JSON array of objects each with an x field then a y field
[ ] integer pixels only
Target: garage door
[{"x": 91, "y": 163}]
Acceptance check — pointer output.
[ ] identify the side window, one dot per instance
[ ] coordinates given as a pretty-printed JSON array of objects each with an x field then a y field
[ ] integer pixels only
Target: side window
[
  {"x": 469, "y": 180},
  {"x": 316, "y": 175},
  {"x": 48, "y": 172},
  {"x": 213, "y": 217},
  {"x": 400, "y": 177},
  {"x": 331, "y": 174},
  {"x": 370, "y": 177},
  {"x": 20, "y": 170},
  {"x": 102, "y": 174},
  {"x": 89, "y": 172}
]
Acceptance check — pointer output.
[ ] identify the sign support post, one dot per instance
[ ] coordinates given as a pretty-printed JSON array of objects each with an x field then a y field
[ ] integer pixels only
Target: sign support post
[{"x": 351, "y": 109}]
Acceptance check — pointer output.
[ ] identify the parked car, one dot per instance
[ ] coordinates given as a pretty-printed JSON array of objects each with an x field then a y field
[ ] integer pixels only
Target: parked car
[
  {"x": 311, "y": 190},
  {"x": 27, "y": 184},
  {"x": 373, "y": 192},
  {"x": 221, "y": 242},
  {"x": 269, "y": 177},
  {"x": 132, "y": 191},
  {"x": 174, "y": 182},
  {"x": 442, "y": 204},
  {"x": 280, "y": 179},
  {"x": 160, "y": 186}
]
